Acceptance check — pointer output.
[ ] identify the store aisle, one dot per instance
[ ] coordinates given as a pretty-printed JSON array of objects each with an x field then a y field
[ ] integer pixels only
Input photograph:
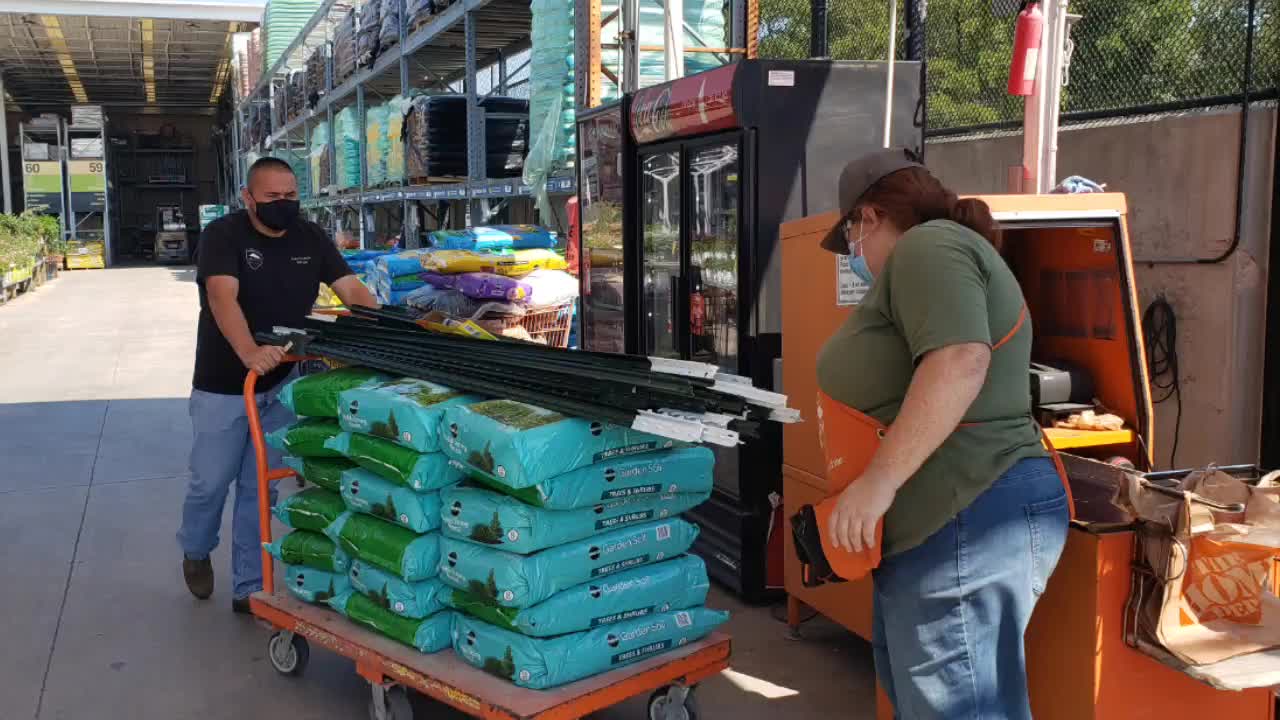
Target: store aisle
[{"x": 94, "y": 374}]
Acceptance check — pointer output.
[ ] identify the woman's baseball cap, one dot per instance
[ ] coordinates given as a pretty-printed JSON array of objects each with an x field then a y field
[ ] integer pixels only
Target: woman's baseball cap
[{"x": 856, "y": 178}]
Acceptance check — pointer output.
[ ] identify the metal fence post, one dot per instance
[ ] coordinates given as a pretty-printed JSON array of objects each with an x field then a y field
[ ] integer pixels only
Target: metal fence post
[{"x": 818, "y": 45}]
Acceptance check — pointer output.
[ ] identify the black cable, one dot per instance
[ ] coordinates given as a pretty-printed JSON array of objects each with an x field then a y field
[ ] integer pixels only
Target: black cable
[{"x": 1160, "y": 332}]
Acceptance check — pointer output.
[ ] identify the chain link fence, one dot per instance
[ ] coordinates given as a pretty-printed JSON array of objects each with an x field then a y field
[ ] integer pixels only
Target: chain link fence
[{"x": 1129, "y": 57}]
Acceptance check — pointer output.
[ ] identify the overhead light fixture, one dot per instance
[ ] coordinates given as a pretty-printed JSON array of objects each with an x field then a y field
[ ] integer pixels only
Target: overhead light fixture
[
  {"x": 53, "y": 31},
  {"x": 148, "y": 62}
]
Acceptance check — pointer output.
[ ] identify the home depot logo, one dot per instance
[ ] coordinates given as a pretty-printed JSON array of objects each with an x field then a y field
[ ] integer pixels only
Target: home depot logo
[{"x": 1226, "y": 582}]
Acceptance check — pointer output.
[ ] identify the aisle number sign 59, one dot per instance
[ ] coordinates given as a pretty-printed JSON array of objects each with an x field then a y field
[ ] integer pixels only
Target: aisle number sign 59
[{"x": 88, "y": 184}]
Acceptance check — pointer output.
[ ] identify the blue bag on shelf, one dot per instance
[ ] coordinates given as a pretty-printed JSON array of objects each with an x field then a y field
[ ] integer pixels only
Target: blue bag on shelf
[
  {"x": 405, "y": 411},
  {"x": 519, "y": 581},
  {"x": 427, "y": 635},
  {"x": 494, "y": 237},
  {"x": 541, "y": 663},
  {"x": 408, "y": 599},
  {"x": 314, "y": 586},
  {"x": 365, "y": 492},
  {"x": 482, "y": 516}
]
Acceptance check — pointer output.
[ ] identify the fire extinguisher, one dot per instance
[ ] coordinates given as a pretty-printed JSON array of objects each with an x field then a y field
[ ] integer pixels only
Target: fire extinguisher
[{"x": 1026, "y": 49}]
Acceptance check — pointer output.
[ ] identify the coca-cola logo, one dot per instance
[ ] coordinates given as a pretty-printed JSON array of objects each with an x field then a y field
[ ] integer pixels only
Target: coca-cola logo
[{"x": 654, "y": 116}]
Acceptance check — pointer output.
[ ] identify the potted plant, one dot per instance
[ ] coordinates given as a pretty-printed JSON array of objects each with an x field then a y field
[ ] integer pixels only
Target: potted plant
[
  {"x": 19, "y": 248},
  {"x": 54, "y": 246}
]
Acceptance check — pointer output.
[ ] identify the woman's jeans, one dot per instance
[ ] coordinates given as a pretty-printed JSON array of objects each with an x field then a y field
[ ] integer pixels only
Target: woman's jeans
[{"x": 950, "y": 614}]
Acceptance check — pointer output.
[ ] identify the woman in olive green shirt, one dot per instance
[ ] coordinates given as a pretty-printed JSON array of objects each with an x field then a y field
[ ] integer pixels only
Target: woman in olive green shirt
[{"x": 975, "y": 514}]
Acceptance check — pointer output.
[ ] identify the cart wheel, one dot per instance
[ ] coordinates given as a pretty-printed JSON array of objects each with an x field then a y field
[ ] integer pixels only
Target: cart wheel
[
  {"x": 391, "y": 703},
  {"x": 673, "y": 702},
  {"x": 289, "y": 653}
]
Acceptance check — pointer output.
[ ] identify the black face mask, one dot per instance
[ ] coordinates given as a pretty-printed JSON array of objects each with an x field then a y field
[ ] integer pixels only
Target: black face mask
[{"x": 277, "y": 214}]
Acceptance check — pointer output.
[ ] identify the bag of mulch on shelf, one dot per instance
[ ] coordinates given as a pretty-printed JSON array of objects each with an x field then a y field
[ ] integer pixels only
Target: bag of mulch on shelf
[
  {"x": 672, "y": 585},
  {"x": 314, "y": 586},
  {"x": 410, "y": 556},
  {"x": 311, "y": 509},
  {"x": 490, "y": 518},
  {"x": 541, "y": 663},
  {"x": 306, "y": 438},
  {"x": 494, "y": 237},
  {"x": 488, "y": 286},
  {"x": 518, "y": 445},
  {"x": 519, "y": 581},
  {"x": 550, "y": 287},
  {"x": 408, "y": 262},
  {"x": 419, "y": 471},
  {"x": 456, "y": 305},
  {"x": 429, "y": 635},
  {"x": 517, "y": 263},
  {"x": 320, "y": 471},
  {"x": 303, "y": 547},
  {"x": 408, "y": 599},
  {"x": 406, "y": 411},
  {"x": 665, "y": 472},
  {"x": 365, "y": 492},
  {"x": 317, "y": 395}
]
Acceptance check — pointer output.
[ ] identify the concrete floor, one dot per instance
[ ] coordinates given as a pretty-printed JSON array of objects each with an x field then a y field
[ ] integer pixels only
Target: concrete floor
[{"x": 94, "y": 373}]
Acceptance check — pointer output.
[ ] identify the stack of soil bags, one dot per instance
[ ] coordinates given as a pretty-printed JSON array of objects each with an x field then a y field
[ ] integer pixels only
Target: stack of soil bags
[
  {"x": 282, "y": 21},
  {"x": 436, "y": 133},
  {"x": 389, "y": 27},
  {"x": 315, "y": 75},
  {"x": 296, "y": 94},
  {"x": 551, "y": 97},
  {"x": 376, "y": 145},
  {"x": 321, "y": 171},
  {"x": 346, "y": 138},
  {"x": 344, "y": 47},
  {"x": 368, "y": 30}
]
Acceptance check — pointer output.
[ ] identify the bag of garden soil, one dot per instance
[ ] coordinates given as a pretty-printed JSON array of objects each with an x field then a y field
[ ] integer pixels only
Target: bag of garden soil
[
  {"x": 317, "y": 395},
  {"x": 364, "y": 492},
  {"x": 429, "y": 635},
  {"x": 423, "y": 472},
  {"x": 489, "y": 518},
  {"x": 542, "y": 663},
  {"x": 312, "y": 549},
  {"x": 665, "y": 472},
  {"x": 406, "y": 554},
  {"x": 520, "y": 581},
  {"x": 406, "y": 411},
  {"x": 311, "y": 509},
  {"x": 518, "y": 445},
  {"x": 407, "y": 599},
  {"x": 314, "y": 586},
  {"x": 306, "y": 438},
  {"x": 322, "y": 472},
  {"x": 629, "y": 595}
]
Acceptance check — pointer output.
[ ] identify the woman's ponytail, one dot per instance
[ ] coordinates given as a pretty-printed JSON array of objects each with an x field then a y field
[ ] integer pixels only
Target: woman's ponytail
[{"x": 976, "y": 215}]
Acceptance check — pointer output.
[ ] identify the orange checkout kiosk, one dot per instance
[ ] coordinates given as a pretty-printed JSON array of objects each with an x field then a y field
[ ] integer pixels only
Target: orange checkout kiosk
[{"x": 1072, "y": 255}]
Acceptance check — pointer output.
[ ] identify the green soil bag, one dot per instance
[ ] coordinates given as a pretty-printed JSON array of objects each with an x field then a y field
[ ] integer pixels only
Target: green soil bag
[
  {"x": 303, "y": 547},
  {"x": 362, "y": 491},
  {"x": 672, "y": 585},
  {"x": 430, "y": 635},
  {"x": 490, "y": 518},
  {"x": 519, "y": 445},
  {"x": 405, "y": 411},
  {"x": 415, "y": 600},
  {"x": 541, "y": 663},
  {"x": 423, "y": 472},
  {"x": 520, "y": 581},
  {"x": 322, "y": 472},
  {"x": 311, "y": 509},
  {"x": 666, "y": 472},
  {"x": 306, "y": 438},
  {"x": 314, "y": 586},
  {"x": 317, "y": 395},
  {"x": 406, "y": 554}
]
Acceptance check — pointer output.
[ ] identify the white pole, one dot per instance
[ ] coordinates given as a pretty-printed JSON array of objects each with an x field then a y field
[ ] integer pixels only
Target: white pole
[
  {"x": 4, "y": 148},
  {"x": 673, "y": 55},
  {"x": 891, "y": 55},
  {"x": 1056, "y": 45},
  {"x": 630, "y": 45}
]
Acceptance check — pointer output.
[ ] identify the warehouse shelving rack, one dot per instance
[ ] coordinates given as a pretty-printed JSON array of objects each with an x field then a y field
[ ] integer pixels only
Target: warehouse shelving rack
[{"x": 449, "y": 49}]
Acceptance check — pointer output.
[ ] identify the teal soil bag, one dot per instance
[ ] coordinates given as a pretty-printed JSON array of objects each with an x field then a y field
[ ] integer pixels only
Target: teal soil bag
[
  {"x": 314, "y": 586},
  {"x": 362, "y": 491},
  {"x": 519, "y": 445},
  {"x": 490, "y": 518},
  {"x": 303, "y": 547},
  {"x": 429, "y": 635},
  {"x": 672, "y": 585},
  {"x": 520, "y": 581},
  {"x": 666, "y": 472},
  {"x": 317, "y": 395},
  {"x": 405, "y": 411},
  {"x": 423, "y": 472},
  {"x": 306, "y": 438},
  {"x": 407, "y": 599},
  {"x": 410, "y": 556},
  {"x": 311, "y": 509},
  {"x": 322, "y": 472},
  {"x": 541, "y": 663}
]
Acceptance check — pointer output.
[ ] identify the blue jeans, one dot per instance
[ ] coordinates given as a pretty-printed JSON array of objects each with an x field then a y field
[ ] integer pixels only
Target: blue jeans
[
  {"x": 950, "y": 614},
  {"x": 222, "y": 454}
]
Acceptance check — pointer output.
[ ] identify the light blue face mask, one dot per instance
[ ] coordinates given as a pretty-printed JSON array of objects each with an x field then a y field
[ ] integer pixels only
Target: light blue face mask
[{"x": 857, "y": 261}]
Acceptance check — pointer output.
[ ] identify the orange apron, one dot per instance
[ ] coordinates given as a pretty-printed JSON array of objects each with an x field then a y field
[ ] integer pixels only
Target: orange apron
[{"x": 849, "y": 440}]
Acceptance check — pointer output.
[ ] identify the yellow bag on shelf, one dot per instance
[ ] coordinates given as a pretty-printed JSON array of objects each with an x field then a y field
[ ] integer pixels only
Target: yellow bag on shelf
[{"x": 513, "y": 264}]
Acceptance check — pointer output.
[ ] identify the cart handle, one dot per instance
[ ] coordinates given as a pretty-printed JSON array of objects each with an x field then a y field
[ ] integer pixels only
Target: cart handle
[{"x": 265, "y": 474}]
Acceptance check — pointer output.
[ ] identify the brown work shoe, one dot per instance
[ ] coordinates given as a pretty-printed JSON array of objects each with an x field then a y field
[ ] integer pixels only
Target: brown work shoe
[{"x": 199, "y": 576}]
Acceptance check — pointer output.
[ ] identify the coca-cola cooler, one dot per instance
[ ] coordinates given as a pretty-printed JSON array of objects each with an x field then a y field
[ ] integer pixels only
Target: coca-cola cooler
[{"x": 682, "y": 187}]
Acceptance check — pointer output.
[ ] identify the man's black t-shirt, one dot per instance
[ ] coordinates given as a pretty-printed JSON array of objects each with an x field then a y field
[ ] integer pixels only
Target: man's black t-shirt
[{"x": 279, "y": 279}]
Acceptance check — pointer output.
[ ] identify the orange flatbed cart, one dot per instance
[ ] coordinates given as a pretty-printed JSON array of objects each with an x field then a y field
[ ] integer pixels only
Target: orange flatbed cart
[{"x": 392, "y": 668}]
